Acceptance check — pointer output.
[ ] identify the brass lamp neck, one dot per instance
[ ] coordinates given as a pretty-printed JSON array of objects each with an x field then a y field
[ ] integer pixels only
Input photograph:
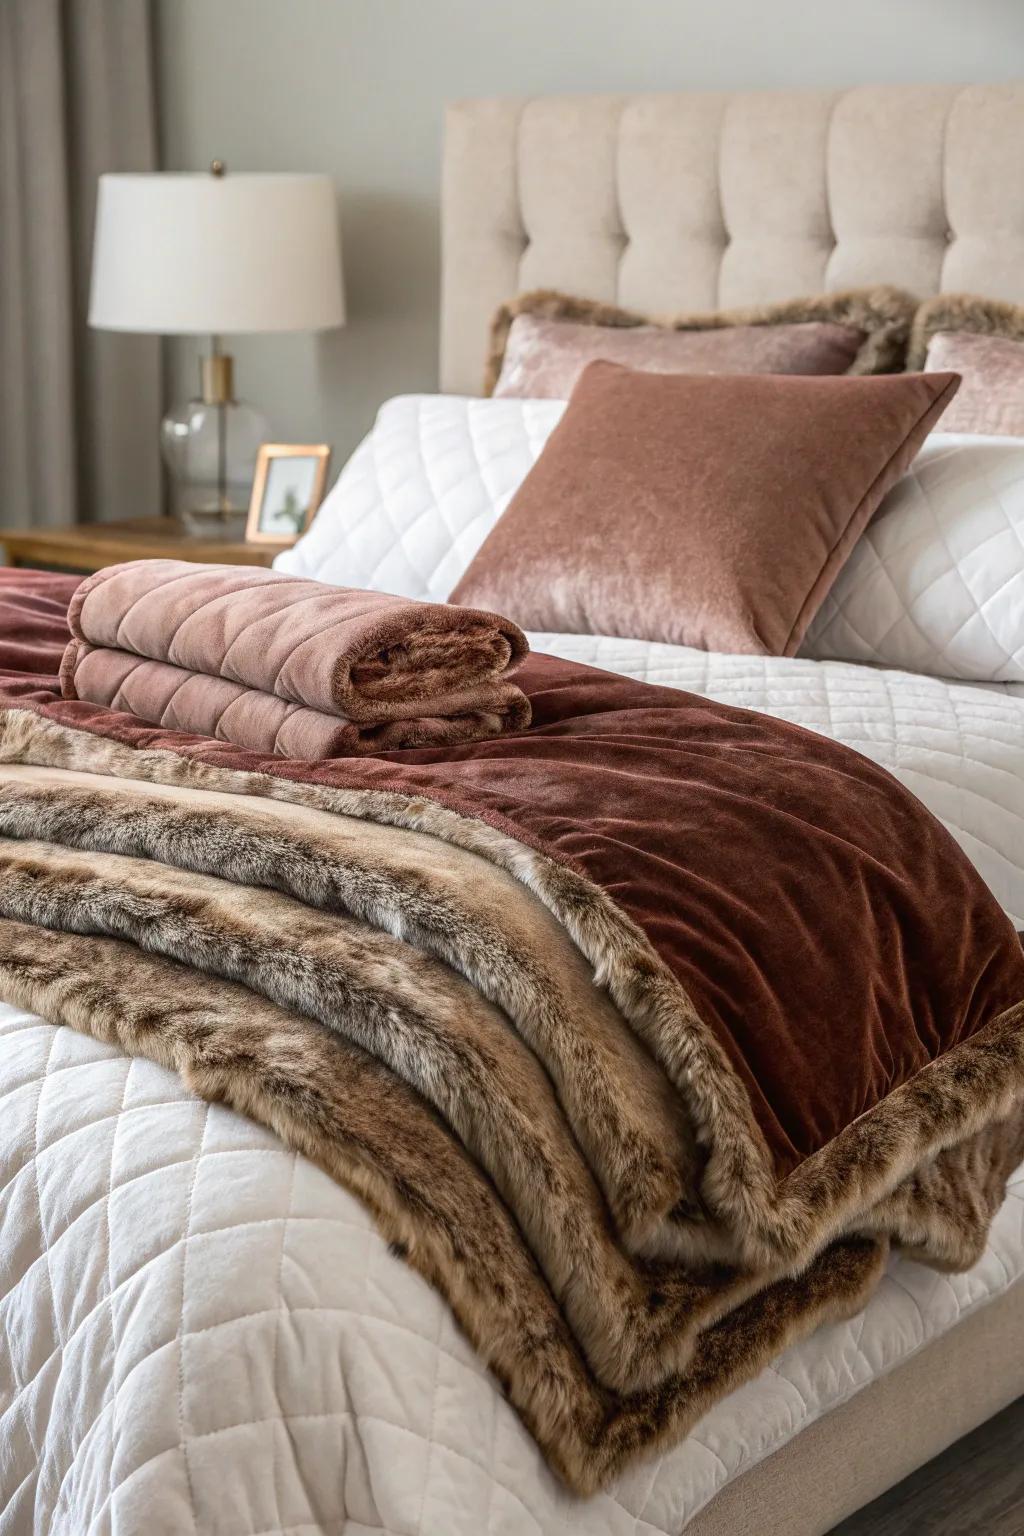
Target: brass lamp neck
[{"x": 217, "y": 378}]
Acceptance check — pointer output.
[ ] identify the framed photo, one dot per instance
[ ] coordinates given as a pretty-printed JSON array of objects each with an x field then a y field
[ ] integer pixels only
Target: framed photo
[{"x": 287, "y": 489}]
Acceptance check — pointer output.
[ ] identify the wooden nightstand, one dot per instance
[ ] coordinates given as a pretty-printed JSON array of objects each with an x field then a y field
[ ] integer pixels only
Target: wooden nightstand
[{"x": 90, "y": 546}]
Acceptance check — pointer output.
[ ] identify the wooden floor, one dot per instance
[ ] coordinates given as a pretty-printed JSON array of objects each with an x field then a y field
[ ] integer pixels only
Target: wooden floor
[{"x": 976, "y": 1488}]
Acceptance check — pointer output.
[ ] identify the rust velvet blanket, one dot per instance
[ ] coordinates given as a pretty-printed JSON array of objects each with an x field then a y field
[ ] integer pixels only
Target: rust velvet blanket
[
  {"x": 277, "y": 664},
  {"x": 643, "y": 1032}
]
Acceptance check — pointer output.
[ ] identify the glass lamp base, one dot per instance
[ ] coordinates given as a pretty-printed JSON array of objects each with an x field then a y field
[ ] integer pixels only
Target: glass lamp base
[
  {"x": 210, "y": 452},
  {"x": 206, "y": 523}
]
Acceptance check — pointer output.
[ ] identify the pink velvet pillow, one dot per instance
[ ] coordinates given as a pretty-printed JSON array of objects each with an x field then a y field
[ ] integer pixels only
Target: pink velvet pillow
[
  {"x": 991, "y": 396},
  {"x": 544, "y": 358},
  {"x": 707, "y": 511}
]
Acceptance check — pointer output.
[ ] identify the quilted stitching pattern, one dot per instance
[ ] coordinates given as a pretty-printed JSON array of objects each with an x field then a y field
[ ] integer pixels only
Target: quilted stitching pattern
[
  {"x": 421, "y": 492},
  {"x": 169, "y": 716},
  {"x": 936, "y": 584},
  {"x": 203, "y": 1333}
]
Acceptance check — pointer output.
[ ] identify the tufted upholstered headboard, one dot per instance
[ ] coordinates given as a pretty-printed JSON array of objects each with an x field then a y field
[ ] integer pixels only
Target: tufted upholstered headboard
[{"x": 703, "y": 201}]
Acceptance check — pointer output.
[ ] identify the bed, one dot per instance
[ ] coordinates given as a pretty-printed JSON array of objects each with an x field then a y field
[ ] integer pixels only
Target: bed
[{"x": 202, "y": 1330}]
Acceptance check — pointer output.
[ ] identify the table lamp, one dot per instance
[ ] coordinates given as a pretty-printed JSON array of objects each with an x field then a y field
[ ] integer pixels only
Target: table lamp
[{"x": 212, "y": 254}]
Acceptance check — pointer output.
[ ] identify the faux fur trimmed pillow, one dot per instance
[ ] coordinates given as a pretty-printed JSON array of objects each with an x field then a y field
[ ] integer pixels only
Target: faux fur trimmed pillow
[
  {"x": 542, "y": 341},
  {"x": 983, "y": 340}
]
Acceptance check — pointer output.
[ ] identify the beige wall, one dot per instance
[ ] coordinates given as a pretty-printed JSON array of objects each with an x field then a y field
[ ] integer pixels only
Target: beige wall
[{"x": 357, "y": 88}]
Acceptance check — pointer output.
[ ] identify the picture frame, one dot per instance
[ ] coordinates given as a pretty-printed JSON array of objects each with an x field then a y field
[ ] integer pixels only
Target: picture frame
[{"x": 287, "y": 489}]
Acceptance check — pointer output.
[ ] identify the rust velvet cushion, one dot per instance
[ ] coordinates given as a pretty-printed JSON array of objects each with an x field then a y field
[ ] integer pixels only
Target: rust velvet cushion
[{"x": 713, "y": 512}]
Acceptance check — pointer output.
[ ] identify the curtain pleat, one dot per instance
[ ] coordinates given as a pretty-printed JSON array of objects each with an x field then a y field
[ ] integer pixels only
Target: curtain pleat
[{"x": 79, "y": 409}]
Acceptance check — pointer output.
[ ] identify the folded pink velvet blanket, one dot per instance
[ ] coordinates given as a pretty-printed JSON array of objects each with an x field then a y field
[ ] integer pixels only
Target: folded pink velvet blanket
[{"x": 273, "y": 663}]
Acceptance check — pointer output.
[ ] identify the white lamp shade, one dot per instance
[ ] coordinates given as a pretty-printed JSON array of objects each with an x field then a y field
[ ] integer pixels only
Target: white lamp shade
[{"x": 195, "y": 255}]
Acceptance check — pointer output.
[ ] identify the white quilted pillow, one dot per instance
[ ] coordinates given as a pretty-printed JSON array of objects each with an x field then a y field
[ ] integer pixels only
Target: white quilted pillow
[
  {"x": 422, "y": 491},
  {"x": 936, "y": 584}
]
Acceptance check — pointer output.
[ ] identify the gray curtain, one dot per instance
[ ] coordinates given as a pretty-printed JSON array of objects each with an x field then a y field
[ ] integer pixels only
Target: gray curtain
[{"x": 79, "y": 409}]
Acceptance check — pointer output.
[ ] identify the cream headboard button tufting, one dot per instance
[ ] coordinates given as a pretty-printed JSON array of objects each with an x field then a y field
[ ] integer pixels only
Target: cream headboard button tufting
[{"x": 702, "y": 200}]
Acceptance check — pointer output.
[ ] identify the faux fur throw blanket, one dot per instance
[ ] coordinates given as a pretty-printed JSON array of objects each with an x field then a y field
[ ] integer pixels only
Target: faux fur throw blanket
[
  {"x": 276, "y": 664},
  {"x": 643, "y": 1032}
]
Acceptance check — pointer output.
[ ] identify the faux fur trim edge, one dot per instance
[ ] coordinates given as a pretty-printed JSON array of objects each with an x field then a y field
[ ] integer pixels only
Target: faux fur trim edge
[
  {"x": 759, "y": 1221},
  {"x": 962, "y": 312},
  {"x": 450, "y": 1229}
]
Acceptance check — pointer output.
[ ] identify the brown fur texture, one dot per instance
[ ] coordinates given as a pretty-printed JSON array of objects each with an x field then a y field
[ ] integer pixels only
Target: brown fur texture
[
  {"x": 743, "y": 1214},
  {"x": 883, "y": 313},
  {"x": 477, "y": 1042},
  {"x": 962, "y": 312},
  {"x": 335, "y": 1104}
]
